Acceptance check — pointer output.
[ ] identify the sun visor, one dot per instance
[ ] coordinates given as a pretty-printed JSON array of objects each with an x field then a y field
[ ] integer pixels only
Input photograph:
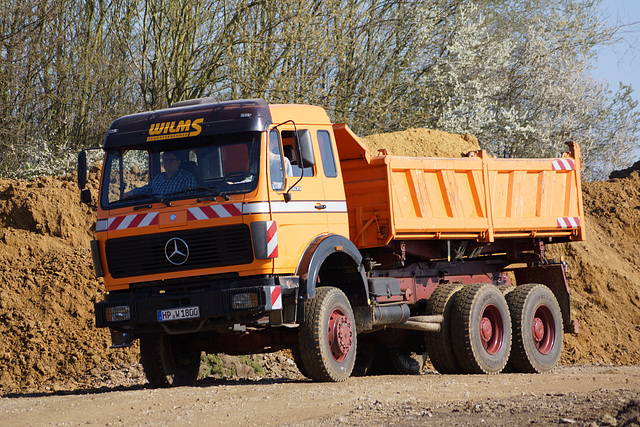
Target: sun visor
[{"x": 189, "y": 119}]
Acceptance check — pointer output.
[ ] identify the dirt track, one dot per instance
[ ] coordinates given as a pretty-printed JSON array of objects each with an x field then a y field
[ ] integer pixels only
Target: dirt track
[{"x": 579, "y": 395}]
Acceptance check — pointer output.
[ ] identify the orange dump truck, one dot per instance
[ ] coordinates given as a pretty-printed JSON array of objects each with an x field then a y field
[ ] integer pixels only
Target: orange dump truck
[{"x": 240, "y": 227}]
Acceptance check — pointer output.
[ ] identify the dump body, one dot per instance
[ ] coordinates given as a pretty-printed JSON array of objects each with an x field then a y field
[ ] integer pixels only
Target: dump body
[{"x": 475, "y": 197}]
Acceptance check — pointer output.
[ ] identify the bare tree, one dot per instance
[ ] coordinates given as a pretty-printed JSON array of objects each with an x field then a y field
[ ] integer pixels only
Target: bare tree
[{"x": 516, "y": 73}]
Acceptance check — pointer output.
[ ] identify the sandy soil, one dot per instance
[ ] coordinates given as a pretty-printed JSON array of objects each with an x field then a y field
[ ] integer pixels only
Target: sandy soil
[{"x": 580, "y": 395}]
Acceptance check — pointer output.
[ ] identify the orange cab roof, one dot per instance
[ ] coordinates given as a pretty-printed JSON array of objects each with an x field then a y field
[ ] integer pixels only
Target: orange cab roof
[{"x": 300, "y": 114}]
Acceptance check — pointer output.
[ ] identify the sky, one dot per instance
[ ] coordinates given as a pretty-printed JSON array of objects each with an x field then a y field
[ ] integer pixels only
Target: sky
[{"x": 619, "y": 63}]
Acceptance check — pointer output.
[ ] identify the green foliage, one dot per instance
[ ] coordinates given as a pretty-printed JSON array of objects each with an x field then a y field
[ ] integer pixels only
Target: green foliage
[
  {"x": 253, "y": 362},
  {"x": 213, "y": 364}
]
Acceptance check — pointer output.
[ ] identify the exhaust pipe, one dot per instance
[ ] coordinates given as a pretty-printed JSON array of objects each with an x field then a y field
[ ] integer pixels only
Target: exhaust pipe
[
  {"x": 399, "y": 316},
  {"x": 419, "y": 326},
  {"x": 395, "y": 316}
]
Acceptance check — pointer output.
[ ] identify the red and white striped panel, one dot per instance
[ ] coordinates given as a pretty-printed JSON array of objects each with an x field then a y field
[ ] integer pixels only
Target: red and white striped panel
[
  {"x": 568, "y": 222},
  {"x": 563, "y": 165},
  {"x": 272, "y": 239},
  {"x": 127, "y": 221},
  {"x": 276, "y": 297},
  {"x": 215, "y": 211}
]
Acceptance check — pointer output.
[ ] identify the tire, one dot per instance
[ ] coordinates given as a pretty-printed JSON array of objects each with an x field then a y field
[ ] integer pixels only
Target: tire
[
  {"x": 506, "y": 289},
  {"x": 439, "y": 345},
  {"x": 327, "y": 337},
  {"x": 401, "y": 351},
  {"x": 406, "y": 362},
  {"x": 537, "y": 329},
  {"x": 481, "y": 329},
  {"x": 169, "y": 360}
]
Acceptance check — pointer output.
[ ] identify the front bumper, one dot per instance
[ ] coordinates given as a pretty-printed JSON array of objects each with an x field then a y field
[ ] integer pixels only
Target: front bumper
[{"x": 242, "y": 300}]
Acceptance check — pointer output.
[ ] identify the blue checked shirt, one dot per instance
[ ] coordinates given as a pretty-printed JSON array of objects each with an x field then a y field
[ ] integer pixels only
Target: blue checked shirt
[{"x": 161, "y": 185}]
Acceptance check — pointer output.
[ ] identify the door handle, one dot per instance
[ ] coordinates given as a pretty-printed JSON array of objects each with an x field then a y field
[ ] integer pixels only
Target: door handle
[{"x": 320, "y": 207}]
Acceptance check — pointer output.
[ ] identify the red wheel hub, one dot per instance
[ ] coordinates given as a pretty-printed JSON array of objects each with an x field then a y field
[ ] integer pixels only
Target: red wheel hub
[
  {"x": 340, "y": 334},
  {"x": 491, "y": 329},
  {"x": 543, "y": 329}
]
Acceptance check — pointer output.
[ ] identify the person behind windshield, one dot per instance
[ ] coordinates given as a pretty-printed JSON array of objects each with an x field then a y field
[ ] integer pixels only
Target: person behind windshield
[{"x": 172, "y": 180}]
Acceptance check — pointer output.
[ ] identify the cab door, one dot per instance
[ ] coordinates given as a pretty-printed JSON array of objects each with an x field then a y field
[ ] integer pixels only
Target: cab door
[
  {"x": 334, "y": 195},
  {"x": 304, "y": 217}
]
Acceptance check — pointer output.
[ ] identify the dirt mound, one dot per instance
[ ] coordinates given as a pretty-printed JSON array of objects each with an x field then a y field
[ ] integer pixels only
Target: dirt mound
[
  {"x": 604, "y": 274},
  {"x": 624, "y": 173},
  {"x": 47, "y": 289},
  {"x": 47, "y": 284},
  {"x": 422, "y": 143}
]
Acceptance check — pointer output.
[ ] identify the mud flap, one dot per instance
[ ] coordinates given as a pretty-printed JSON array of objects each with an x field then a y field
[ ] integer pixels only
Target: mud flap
[{"x": 554, "y": 277}]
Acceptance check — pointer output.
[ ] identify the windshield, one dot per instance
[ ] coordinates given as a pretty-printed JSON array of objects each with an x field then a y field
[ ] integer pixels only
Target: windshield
[{"x": 211, "y": 166}]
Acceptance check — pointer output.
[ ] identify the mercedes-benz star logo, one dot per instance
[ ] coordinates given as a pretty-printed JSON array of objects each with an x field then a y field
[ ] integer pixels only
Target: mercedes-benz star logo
[{"x": 176, "y": 250}]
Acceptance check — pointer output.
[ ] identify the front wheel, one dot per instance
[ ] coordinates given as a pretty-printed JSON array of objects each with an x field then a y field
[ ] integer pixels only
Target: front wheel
[
  {"x": 327, "y": 337},
  {"x": 169, "y": 360},
  {"x": 537, "y": 328}
]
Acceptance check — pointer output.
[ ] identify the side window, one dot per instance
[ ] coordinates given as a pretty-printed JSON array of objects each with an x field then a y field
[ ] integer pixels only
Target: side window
[
  {"x": 291, "y": 156},
  {"x": 275, "y": 161},
  {"x": 326, "y": 153}
]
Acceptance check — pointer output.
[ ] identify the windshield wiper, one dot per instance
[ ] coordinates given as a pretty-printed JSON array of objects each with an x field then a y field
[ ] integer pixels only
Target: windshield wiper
[
  {"x": 153, "y": 197},
  {"x": 211, "y": 190}
]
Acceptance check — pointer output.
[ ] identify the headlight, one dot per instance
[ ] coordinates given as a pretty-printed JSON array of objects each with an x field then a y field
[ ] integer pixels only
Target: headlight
[
  {"x": 244, "y": 301},
  {"x": 118, "y": 313}
]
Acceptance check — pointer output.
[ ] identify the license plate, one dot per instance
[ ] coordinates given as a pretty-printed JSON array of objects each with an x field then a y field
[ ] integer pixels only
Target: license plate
[{"x": 178, "y": 313}]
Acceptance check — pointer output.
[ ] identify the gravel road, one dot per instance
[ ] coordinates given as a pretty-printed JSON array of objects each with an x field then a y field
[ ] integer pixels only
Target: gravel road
[{"x": 575, "y": 395}]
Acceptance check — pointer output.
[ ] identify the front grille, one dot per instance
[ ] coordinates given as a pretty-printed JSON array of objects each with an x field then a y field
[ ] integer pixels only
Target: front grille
[{"x": 209, "y": 247}]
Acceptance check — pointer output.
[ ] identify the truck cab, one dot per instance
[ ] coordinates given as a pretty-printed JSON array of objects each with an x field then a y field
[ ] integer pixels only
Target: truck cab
[{"x": 226, "y": 248}]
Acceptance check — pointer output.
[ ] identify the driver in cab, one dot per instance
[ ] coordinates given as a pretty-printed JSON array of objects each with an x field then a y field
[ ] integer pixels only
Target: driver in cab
[{"x": 172, "y": 180}]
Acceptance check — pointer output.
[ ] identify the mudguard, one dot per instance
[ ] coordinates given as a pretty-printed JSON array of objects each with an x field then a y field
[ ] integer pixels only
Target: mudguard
[
  {"x": 316, "y": 254},
  {"x": 553, "y": 276}
]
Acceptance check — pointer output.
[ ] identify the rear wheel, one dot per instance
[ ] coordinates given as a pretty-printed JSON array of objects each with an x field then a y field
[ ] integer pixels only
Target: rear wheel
[
  {"x": 506, "y": 289},
  {"x": 169, "y": 360},
  {"x": 537, "y": 329},
  {"x": 327, "y": 337},
  {"x": 439, "y": 346},
  {"x": 481, "y": 329}
]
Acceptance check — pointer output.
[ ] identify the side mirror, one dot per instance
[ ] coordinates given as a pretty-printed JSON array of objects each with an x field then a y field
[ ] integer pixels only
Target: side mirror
[
  {"x": 85, "y": 196},
  {"x": 82, "y": 169},
  {"x": 303, "y": 137}
]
